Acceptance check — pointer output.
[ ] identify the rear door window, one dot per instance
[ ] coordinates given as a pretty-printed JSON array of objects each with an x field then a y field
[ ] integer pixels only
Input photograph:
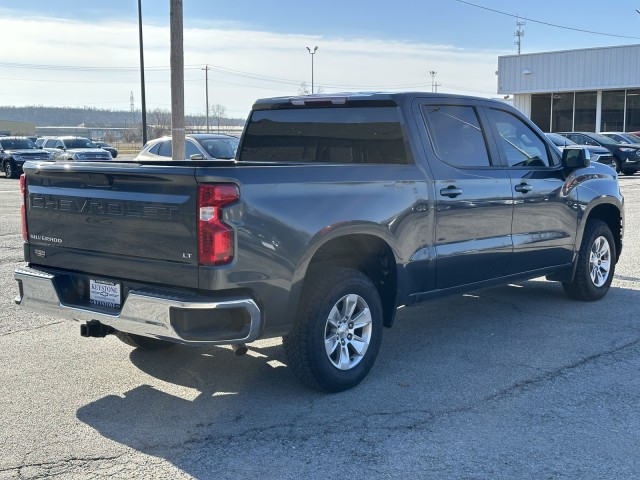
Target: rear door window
[
  {"x": 165, "y": 149},
  {"x": 191, "y": 149},
  {"x": 456, "y": 135}
]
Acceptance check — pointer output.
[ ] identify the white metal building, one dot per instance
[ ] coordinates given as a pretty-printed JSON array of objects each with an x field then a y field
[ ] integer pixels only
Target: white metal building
[{"x": 595, "y": 89}]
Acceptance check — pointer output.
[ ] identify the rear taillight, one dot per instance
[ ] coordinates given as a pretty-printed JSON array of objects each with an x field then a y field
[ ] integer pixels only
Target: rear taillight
[
  {"x": 23, "y": 209},
  {"x": 216, "y": 241}
]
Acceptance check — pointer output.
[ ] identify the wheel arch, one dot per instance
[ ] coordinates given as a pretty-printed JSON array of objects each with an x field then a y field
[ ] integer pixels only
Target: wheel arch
[
  {"x": 367, "y": 253},
  {"x": 613, "y": 217}
]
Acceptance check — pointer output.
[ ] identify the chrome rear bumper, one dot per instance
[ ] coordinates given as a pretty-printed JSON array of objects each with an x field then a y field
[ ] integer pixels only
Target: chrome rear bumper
[{"x": 177, "y": 317}]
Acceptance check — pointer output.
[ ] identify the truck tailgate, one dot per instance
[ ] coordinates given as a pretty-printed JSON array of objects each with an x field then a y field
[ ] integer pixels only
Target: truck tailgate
[{"x": 130, "y": 222}]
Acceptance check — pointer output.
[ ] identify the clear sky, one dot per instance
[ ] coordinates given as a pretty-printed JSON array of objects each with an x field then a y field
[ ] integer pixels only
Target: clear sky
[{"x": 85, "y": 53}]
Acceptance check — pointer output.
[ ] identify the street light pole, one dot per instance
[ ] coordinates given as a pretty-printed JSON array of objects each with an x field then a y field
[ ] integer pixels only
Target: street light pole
[
  {"x": 433, "y": 81},
  {"x": 315, "y": 49},
  {"x": 206, "y": 89},
  {"x": 143, "y": 98}
]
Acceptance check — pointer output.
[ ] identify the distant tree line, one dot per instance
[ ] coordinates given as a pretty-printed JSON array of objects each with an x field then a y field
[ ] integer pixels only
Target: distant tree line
[{"x": 43, "y": 116}]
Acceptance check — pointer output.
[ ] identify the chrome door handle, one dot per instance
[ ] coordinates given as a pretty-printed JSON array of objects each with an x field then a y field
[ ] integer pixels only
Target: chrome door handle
[
  {"x": 450, "y": 191},
  {"x": 523, "y": 188}
]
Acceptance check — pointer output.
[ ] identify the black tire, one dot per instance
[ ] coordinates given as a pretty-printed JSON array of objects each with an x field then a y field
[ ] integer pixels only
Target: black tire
[
  {"x": 617, "y": 165},
  {"x": 628, "y": 172},
  {"x": 596, "y": 264},
  {"x": 328, "y": 290},
  {"x": 143, "y": 343},
  {"x": 10, "y": 169}
]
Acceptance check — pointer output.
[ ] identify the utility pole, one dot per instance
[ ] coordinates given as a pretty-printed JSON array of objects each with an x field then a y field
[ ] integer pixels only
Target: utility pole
[
  {"x": 177, "y": 79},
  {"x": 206, "y": 89},
  {"x": 434, "y": 88},
  {"x": 519, "y": 33},
  {"x": 142, "y": 97}
]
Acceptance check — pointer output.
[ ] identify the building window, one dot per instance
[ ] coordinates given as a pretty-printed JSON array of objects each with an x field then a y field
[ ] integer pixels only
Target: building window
[
  {"x": 612, "y": 111},
  {"x": 562, "y": 119},
  {"x": 633, "y": 111},
  {"x": 585, "y": 108},
  {"x": 541, "y": 111}
]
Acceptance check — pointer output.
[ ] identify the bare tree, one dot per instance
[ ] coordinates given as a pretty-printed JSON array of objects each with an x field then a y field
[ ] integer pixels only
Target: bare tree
[
  {"x": 304, "y": 89},
  {"x": 218, "y": 113},
  {"x": 159, "y": 123}
]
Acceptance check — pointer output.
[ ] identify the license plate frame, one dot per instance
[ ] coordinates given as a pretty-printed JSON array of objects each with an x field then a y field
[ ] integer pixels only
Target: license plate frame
[{"x": 105, "y": 293}]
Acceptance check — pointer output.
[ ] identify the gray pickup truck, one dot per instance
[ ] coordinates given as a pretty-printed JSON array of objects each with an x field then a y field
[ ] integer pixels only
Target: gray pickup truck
[{"x": 336, "y": 211}]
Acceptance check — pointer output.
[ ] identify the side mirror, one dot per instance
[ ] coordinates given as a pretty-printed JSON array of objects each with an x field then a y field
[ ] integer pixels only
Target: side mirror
[
  {"x": 575, "y": 158},
  {"x": 60, "y": 147},
  {"x": 196, "y": 156}
]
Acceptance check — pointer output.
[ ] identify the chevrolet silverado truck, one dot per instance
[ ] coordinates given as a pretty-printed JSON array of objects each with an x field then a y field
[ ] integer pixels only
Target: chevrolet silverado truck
[{"x": 336, "y": 211}]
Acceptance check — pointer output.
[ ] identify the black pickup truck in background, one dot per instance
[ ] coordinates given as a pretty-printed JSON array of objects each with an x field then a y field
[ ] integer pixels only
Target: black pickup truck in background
[{"x": 336, "y": 211}]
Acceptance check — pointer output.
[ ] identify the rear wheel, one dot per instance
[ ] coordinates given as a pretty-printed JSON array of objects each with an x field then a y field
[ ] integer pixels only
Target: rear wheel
[
  {"x": 143, "y": 343},
  {"x": 337, "y": 335},
  {"x": 628, "y": 172},
  {"x": 596, "y": 263}
]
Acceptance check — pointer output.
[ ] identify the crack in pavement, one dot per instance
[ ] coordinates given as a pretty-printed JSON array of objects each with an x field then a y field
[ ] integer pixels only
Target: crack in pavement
[
  {"x": 405, "y": 420},
  {"x": 55, "y": 467},
  {"x": 32, "y": 328},
  {"x": 626, "y": 278}
]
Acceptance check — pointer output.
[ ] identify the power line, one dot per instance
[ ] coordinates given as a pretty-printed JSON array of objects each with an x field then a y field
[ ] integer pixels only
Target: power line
[
  {"x": 547, "y": 23},
  {"x": 77, "y": 68}
]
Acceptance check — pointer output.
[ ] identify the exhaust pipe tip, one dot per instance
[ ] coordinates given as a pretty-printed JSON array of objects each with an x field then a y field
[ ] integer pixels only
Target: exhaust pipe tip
[{"x": 239, "y": 349}]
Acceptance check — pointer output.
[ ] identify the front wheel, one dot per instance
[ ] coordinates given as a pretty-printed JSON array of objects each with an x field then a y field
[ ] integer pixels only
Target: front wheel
[
  {"x": 596, "y": 263},
  {"x": 336, "y": 338},
  {"x": 617, "y": 165},
  {"x": 10, "y": 169}
]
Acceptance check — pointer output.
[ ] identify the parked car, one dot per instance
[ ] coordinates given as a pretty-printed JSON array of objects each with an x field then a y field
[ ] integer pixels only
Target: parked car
[
  {"x": 198, "y": 146},
  {"x": 108, "y": 148},
  {"x": 14, "y": 151},
  {"x": 626, "y": 156},
  {"x": 78, "y": 149},
  {"x": 598, "y": 154},
  {"x": 622, "y": 137}
]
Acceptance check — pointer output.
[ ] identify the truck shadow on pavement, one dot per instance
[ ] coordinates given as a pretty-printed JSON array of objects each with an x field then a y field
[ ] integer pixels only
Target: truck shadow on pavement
[{"x": 206, "y": 410}]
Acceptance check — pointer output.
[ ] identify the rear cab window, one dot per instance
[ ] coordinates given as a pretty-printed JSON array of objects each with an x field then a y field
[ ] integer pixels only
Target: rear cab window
[{"x": 345, "y": 135}]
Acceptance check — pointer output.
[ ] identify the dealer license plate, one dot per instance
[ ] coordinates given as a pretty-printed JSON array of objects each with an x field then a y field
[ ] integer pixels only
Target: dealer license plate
[{"x": 104, "y": 293}]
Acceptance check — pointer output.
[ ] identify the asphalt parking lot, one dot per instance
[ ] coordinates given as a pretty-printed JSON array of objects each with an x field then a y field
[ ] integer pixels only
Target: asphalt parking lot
[{"x": 510, "y": 382}]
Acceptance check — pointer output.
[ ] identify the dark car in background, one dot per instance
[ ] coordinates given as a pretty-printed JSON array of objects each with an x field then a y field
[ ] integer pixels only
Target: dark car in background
[
  {"x": 108, "y": 148},
  {"x": 598, "y": 154},
  {"x": 14, "y": 151},
  {"x": 198, "y": 146},
  {"x": 622, "y": 137},
  {"x": 77, "y": 149},
  {"x": 626, "y": 156}
]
